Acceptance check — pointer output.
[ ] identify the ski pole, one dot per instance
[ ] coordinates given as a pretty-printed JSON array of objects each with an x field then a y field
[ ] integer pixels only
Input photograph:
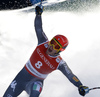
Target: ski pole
[{"x": 94, "y": 88}]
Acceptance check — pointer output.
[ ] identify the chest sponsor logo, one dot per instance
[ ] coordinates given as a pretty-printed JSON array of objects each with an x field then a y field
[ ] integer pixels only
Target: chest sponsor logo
[{"x": 45, "y": 59}]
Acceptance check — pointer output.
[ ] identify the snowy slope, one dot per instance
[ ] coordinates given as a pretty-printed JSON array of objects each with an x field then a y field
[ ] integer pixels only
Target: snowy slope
[{"x": 18, "y": 40}]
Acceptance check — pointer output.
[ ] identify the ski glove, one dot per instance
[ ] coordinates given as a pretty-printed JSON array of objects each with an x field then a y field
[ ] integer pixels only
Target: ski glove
[
  {"x": 39, "y": 9},
  {"x": 83, "y": 90}
]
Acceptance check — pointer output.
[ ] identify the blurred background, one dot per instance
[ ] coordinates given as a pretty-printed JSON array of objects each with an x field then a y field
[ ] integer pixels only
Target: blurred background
[{"x": 78, "y": 20}]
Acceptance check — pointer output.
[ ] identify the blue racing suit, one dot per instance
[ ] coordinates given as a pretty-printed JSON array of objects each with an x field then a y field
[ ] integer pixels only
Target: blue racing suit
[{"x": 32, "y": 84}]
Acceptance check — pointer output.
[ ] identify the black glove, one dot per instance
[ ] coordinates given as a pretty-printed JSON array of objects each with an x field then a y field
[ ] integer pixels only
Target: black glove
[
  {"x": 39, "y": 9},
  {"x": 83, "y": 90}
]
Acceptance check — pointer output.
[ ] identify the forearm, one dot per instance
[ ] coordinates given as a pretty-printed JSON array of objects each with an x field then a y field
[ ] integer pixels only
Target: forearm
[
  {"x": 39, "y": 31},
  {"x": 73, "y": 79},
  {"x": 38, "y": 25},
  {"x": 68, "y": 73}
]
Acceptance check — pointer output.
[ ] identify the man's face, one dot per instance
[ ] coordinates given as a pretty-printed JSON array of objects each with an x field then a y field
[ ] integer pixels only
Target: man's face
[{"x": 51, "y": 51}]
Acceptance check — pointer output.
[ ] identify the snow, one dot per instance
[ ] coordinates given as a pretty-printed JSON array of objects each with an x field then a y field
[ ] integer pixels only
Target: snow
[{"x": 18, "y": 40}]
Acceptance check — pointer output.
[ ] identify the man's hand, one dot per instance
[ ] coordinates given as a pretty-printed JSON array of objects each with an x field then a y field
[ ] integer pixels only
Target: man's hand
[
  {"x": 83, "y": 90},
  {"x": 39, "y": 9}
]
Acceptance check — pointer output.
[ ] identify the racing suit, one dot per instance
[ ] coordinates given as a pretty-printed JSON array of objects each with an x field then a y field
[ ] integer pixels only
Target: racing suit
[{"x": 37, "y": 68}]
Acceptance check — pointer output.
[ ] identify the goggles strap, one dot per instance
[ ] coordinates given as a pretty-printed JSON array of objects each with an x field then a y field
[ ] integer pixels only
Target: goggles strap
[{"x": 57, "y": 42}]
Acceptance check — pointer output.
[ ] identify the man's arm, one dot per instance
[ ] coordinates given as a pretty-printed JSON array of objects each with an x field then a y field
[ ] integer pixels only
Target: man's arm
[
  {"x": 38, "y": 26},
  {"x": 83, "y": 90},
  {"x": 63, "y": 67}
]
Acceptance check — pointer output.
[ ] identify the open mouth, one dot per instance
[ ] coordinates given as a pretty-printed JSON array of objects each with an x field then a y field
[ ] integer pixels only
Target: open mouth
[{"x": 50, "y": 50}]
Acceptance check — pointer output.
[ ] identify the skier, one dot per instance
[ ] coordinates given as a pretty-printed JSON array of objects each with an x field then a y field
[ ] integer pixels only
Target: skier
[{"x": 45, "y": 59}]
